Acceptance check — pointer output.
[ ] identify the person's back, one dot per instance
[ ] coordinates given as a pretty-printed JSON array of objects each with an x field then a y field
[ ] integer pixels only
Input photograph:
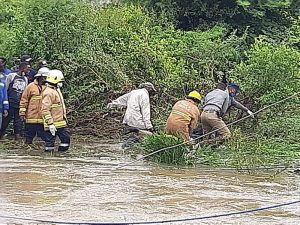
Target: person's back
[
  {"x": 53, "y": 108},
  {"x": 216, "y": 105},
  {"x": 30, "y": 107},
  {"x": 16, "y": 84},
  {"x": 54, "y": 113},
  {"x": 184, "y": 117},
  {"x": 216, "y": 100},
  {"x": 137, "y": 117},
  {"x": 31, "y": 101},
  {"x": 138, "y": 110}
]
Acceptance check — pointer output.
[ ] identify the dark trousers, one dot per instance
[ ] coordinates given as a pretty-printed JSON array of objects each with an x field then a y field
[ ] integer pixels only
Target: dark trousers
[
  {"x": 32, "y": 130},
  {"x": 64, "y": 136},
  {"x": 133, "y": 137},
  {"x": 13, "y": 114}
]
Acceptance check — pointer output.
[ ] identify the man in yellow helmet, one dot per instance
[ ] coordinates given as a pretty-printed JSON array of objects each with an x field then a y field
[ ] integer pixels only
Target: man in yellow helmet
[
  {"x": 54, "y": 113},
  {"x": 184, "y": 116}
]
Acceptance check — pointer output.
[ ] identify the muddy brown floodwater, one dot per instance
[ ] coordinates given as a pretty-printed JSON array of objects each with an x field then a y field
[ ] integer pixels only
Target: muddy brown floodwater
[{"x": 88, "y": 188}]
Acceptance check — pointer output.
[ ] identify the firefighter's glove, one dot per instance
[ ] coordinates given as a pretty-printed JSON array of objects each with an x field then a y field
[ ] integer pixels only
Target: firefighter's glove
[
  {"x": 52, "y": 129},
  {"x": 250, "y": 114}
]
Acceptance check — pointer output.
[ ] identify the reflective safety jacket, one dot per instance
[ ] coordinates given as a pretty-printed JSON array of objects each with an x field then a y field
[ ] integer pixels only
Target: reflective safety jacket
[
  {"x": 183, "y": 119},
  {"x": 53, "y": 108},
  {"x": 31, "y": 103}
]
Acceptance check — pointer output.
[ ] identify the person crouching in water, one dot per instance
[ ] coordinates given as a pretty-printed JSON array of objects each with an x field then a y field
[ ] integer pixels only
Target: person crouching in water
[
  {"x": 137, "y": 116},
  {"x": 184, "y": 116},
  {"x": 217, "y": 103},
  {"x": 54, "y": 113},
  {"x": 30, "y": 107}
]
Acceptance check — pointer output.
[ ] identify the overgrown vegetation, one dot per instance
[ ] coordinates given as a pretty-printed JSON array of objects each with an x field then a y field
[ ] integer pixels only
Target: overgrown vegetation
[
  {"x": 106, "y": 50},
  {"x": 267, "y": 17},
  {"x": 177, "y": 156}
]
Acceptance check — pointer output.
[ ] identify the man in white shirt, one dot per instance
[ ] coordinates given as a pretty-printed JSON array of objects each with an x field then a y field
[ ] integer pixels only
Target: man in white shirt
[{"x": 137, "y": 116}]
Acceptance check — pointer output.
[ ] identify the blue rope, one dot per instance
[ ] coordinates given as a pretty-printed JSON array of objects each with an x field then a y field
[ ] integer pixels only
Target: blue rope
[{"x": 160, "y": 221}]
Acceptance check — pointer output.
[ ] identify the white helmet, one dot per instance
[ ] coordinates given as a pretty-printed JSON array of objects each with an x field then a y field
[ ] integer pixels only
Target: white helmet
[{"x": 42, "y": 72}]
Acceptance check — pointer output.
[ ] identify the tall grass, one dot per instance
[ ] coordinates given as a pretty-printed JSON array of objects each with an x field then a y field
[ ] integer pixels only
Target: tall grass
[{"x": 175, "y": 156}]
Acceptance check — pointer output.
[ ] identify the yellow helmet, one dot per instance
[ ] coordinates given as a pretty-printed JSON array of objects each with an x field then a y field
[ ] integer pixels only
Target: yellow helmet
[
  {"x": 53, "y": 77},
  {"x": 59, "y": 74},
  {"x": 195, "y": 95}
]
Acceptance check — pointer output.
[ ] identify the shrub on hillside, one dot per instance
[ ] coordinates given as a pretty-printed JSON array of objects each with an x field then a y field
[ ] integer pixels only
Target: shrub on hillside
[
  {"x": 270, "y": 73},
  {"x": 105, "y": 49}
]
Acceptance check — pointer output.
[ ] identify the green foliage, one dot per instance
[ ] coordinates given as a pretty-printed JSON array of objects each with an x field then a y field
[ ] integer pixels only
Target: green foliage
[
  {"x": 270, "y": 73},
  {"x": 251, "y": 153},
  {"x": 283, "y": 128},
  {"x": 258, "y": 17},
  {"x": 175, "y": 156},
  {"x": 103, "y": 48},
  {"x": 294, "y": 33},
  {"x": 188, "y": 59},
  {"x": 106, "y": 50}
]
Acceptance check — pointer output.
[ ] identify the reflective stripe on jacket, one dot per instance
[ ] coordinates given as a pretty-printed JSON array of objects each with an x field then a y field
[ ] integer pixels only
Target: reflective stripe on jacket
[
  {"x": 138, "y": 108},
  {"x": 53, "y": 108},
  {"x": 31, "y": 103},
  {"x": 183, "y": 119}
]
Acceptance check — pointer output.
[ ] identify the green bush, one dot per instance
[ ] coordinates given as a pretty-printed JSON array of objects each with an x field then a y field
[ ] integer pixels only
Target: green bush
[
  {"x": 176, "y": 156},
  {"x": 270, "y": 73},
  {"x": 268, "y": 17},
  {"x": 251, "y": 152},
  {"x": 294, "y": 33},
  {"x": 104, "y": 48}
]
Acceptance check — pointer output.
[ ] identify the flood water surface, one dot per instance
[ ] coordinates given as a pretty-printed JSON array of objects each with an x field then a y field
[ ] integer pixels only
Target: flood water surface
[{"x": 90, "y": 189}]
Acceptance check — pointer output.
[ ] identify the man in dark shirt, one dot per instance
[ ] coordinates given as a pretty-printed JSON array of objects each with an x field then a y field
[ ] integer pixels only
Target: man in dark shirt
[
  {"x": 15, "y": 84},
  {"x": 32, "y": 72}
]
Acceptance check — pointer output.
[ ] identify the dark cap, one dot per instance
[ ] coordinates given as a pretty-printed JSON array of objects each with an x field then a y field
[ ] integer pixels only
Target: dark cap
[
  {"x": 26, "y": 58},
  {"x": 43, "y": 63}
]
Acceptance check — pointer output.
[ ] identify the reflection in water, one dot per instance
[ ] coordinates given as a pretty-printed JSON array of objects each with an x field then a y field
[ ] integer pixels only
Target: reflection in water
[{"x": 70, "y": 189}]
